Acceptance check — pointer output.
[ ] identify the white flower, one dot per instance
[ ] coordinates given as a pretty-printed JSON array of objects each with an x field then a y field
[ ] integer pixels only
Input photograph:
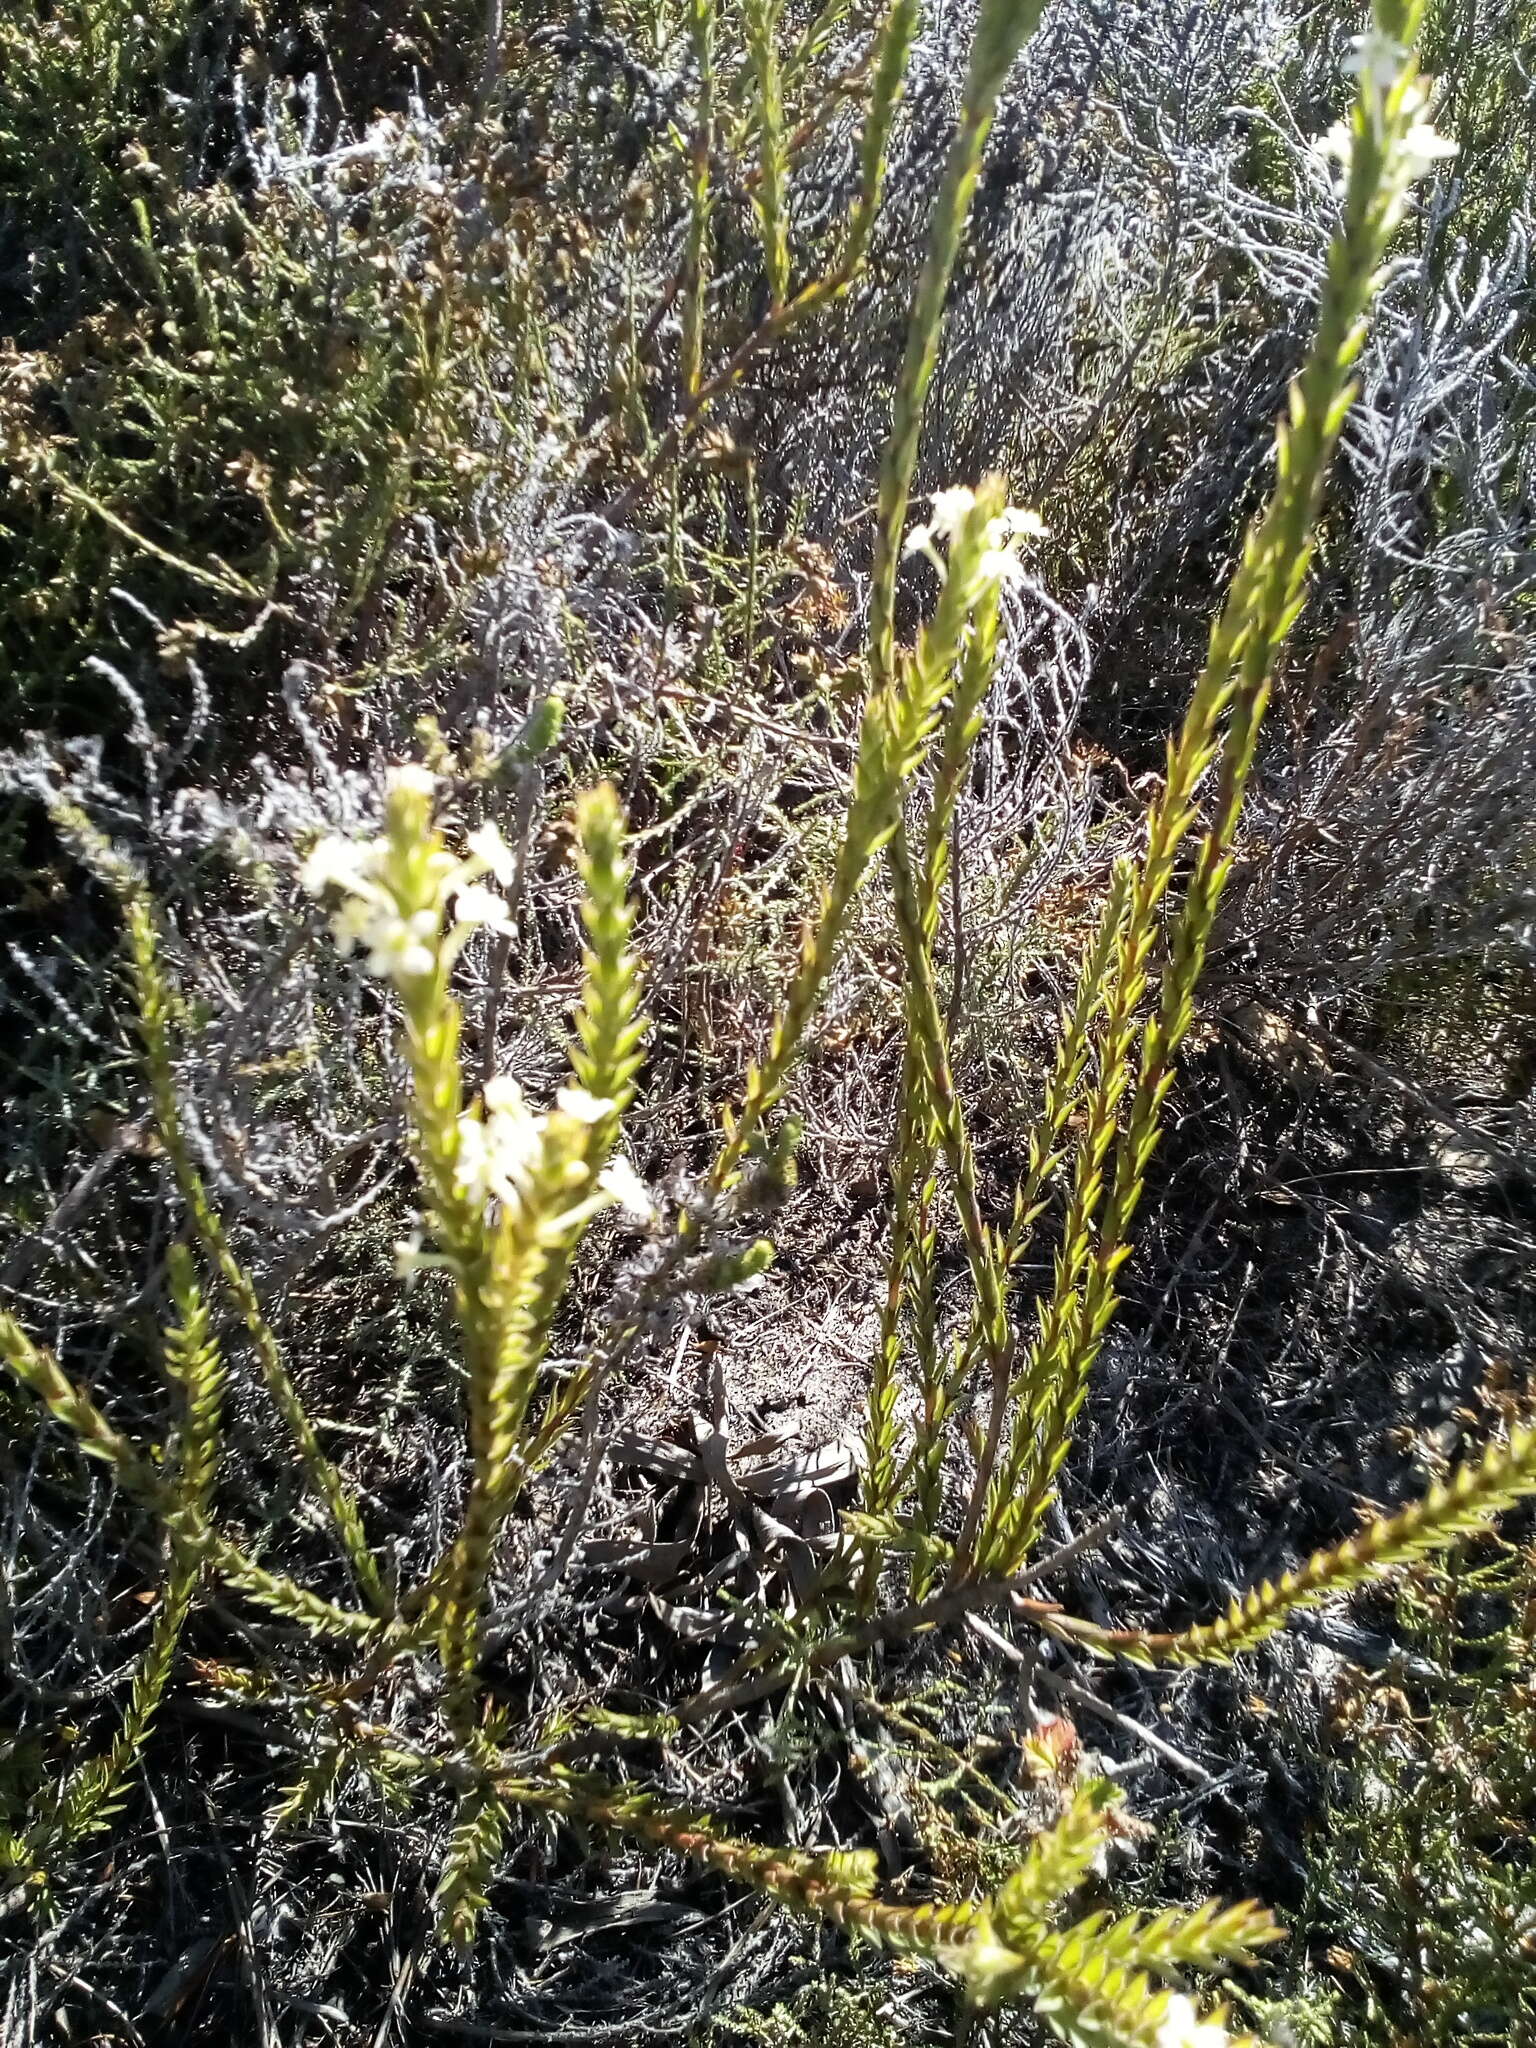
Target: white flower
[
  {"x": 491, "y": 851},
  {"x": 400, "y": 945},
  {"x": 583, "y": 1107},
  {"x": 474, "y": 904},
  {"x": 997, "y": 562},
  {"x": 410, "y": 1259},
  {"x": 1422, "y": 148},
  {"x": 1020, "y": 522},
  {"x": 474, "y": 1171},
  {"x": 1337, "y": 146},
  {"x": 1411, "y": 157},
  {"x": 622, "y": 1185},
  {"x": 336, "y": 863},
  {"x": 398, "y": 948},
  {"x": 950, "y": 509},
  {"x": 1377, "y": 60},
  {"x": 407, "y": 944},
  {"x": 503, "y": 1096},
  {"x": 498, "y": 1150},
  {"x": 1000, "y": 565},
  {"x": 1182, "y": 2027}
]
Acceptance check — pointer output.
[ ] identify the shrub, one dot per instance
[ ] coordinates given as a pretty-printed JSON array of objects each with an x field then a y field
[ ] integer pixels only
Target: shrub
[
  {"x": 1429, "y": 1778},
  {"x": 963, "y": 1442}
]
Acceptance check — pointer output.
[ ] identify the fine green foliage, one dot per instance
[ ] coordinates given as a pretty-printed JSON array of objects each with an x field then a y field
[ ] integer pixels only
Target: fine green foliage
[
  {"x": 1219, "y": 734},
  {"x": 469, "y": 1864},
  {"x": 899, "y": 721},
  {"x": 762, "y": 26},
  {"x": 825, "y": 2014},
  {"x": 1061, "y": 1859},
  {"x": 790, "y": 311},
  {"x": 89, "y": 1796},
  {"x": 68, "y": 1404},
  {"x": 507, "y": 1192},
  {"x": 1002, "y": 28},
  {"x": 236, "y": 402},
  {"x": 1420, "y": 1919},
  {"x": 701, "y": 35},
  {"x": 1468, "y": 1500},
  {"x": 1033, "y": 1401},
  {"x": 156, "y": 1007}
]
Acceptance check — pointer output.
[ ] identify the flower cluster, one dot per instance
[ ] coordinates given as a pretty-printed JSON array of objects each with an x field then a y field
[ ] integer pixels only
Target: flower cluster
[
  {"x": 408, "y": 902},
  {"x": 503, "y": 1144},
  {"x": 1377, "y": 60},
  {"x": 1394, "y": 101},
  {"x": 998, "y": 561},
  {"x": 500, "y": 1146}
]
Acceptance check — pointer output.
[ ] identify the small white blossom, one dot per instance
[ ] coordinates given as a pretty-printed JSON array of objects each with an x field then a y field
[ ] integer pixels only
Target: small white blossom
[
  {"x": 582, "y": 1107},
  {"x": 474, "y": 905},
  {"x": 1412, "y": 157},
  {"x": 620, "y": 1182},
  {"x": 335, "y": 863},
  {"x": 1337, "y": 146},
  {"x": 399, "y": 945},
  {"x": 475, "y": 1168},
  {"x": 503, "y": 1096},
  {"x": 951, "y": 508},
  {"x": 491, "y": 850},
  {"x": 1021, "y": 522},
  {"x": 399, "y": 948},
  {"x": 396, "y": 945},
  {"x": 1000, "y": 565},
  {"x": 998, "y": 562},
  {"x": 498, "y": 1150},
  {"x": 1182, "y": 2027},
  {"x": 352, "y": 925},
  {"x": 1422, "y": 148},
  {"x": 408, "y": 943},
  {"x": 1377, "y": 60}
]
